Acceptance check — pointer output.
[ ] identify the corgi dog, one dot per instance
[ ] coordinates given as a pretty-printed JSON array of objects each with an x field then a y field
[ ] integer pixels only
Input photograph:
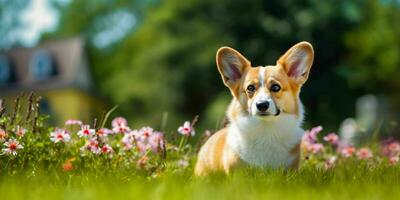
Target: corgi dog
[{"x": 265, "y": 114}]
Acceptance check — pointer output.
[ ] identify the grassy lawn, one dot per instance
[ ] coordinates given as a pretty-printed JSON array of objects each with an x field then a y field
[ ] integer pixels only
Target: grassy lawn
[
  {"x": 350, "y": 181},
  {"x": 79, "y": 161}
]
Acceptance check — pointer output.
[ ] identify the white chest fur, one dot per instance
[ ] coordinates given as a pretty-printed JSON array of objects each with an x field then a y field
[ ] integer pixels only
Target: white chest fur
[{"x": 265, "y": 143}]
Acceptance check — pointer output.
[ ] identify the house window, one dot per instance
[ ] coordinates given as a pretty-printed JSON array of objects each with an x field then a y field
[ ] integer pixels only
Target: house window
[
  {"x": 42, "y": 65},
  {"x": 5, "y": 70}
]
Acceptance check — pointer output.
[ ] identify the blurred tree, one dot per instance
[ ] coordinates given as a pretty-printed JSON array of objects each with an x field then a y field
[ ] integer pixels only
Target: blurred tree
[
  {"x": 374, "y": 49},
  {"x": 373, "y": 60},
  {"x": 161, "y": 57}
]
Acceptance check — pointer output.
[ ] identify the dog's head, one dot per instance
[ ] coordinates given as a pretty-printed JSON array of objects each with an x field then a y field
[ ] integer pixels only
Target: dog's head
[{"x": 266, "y": 92}]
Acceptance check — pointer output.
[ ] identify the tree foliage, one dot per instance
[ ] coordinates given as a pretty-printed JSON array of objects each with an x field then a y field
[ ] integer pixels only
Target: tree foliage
[{"x": 166, "y": 61}]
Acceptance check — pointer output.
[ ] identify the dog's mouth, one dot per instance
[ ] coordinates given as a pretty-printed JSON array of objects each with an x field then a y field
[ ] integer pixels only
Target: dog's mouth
[{"x": 265, "y": 114}]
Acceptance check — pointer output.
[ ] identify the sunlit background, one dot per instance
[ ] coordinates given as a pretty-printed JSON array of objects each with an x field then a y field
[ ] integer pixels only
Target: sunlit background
[{"x": 156, "y": 59}]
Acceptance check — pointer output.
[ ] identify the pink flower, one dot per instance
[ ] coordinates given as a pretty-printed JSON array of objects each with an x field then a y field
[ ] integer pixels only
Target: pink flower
[
  {"x": 186, "y": 129},
  {"x": 142, "y": 146},
  {"x": 144, "y": 139},
  {"x": 330, "y": 162},
  {"x": 11, "y": 147},
  {"x": 120, "y": 125},
  {"x": 364, "y": 153},
  {"x": 347, "y": 151},
  {"x": 183, "y": 163},
  {"x": 394, "y": 160},
  {"x": 391, "y": 148},
  {"x": 104, "y": 132},
  {"x": 19, "y": 131},
  {"x": 311, "y": 135},
  {"x": 119, "y": 121},
  {"x": 73, "y": 122},
  {"x": 156, "y": 141},
  {"x": 121, "y": 129},
  {"x": 127, "y": 146},
  {"x": 59, "y": 135},
  {"x": 147, "y": 138},
  {"x": 145, "y": 133},
  {"x": 332, "y": 138},
  {"x": 129, "y": 138},
  {"x": 394, "y": 147},
  {"x": 86, "y": 131},
  {"x": 315, "y": 148},
  {"x": 3, "y": 135},
  {"x": 92, "y": 145},
  {"x": 106, "y": 149}
]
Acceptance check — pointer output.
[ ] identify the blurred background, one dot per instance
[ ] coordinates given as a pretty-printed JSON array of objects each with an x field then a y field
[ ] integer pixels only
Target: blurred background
[{"x": 156, "y": 59}]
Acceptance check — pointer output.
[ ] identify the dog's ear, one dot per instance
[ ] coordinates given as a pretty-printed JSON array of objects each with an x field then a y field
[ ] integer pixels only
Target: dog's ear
[
  {"x": 231, "y": 65},
  {"x": 297, "y": 62}
]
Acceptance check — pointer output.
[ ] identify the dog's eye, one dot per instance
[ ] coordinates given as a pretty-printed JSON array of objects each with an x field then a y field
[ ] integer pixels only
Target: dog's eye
[
  {"x": 275, "y": 88},
  {"x": 251, "y": 88}
]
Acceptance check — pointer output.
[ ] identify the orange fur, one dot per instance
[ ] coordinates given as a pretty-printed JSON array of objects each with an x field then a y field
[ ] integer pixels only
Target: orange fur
[{"x": 215, "y": 155}]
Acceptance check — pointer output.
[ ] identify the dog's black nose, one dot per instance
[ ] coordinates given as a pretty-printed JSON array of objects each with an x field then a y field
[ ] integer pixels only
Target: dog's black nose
[{"x": 262, "y": 105}]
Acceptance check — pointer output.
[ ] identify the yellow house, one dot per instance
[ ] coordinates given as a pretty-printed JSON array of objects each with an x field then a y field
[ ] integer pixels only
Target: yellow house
[{"x": 56, "y": 70}]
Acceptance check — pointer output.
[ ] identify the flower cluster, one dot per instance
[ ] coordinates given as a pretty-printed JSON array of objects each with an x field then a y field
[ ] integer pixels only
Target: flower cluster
[
  {"x": 95, "y": 141},
  {"x": 11, "y": 145},
  {"x": 144, "y": 139},
  {"x": 310, "y": 142},
  {"x": 120, "y": 138},
  {"x": 332, "y": 150},
  {"x": 26, "y": 140},
  {"x": 391, "y": 149},
  {"x": 145, "y": 146}
]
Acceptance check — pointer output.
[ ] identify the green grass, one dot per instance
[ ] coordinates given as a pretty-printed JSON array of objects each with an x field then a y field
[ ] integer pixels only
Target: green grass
[
  {"x": 349, "y": 181},
  {"x": 38, "y": 170}
]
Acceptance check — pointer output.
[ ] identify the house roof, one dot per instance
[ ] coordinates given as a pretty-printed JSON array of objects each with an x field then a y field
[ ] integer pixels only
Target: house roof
[{"x": 70, "y": 63}]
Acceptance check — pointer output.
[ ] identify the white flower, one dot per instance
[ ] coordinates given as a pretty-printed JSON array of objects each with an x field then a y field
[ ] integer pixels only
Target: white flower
[
  {"x": 59, "y": 135},
  {"x": 186, "y": 129},
  {"x": 156, "y": 141},
  {"x": 11, "y": 147},
  {"x": 86, "y": 131},
  {"x": 145, "y": 133}
]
